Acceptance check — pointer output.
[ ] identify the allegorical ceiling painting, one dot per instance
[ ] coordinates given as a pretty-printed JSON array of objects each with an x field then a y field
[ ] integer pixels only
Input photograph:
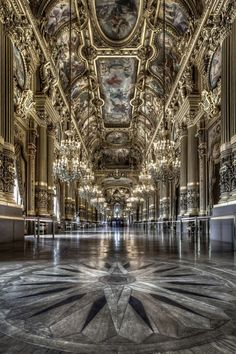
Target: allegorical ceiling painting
[
  {"x": 117, "y": 82},
  {"x": 172, "y": 58},
  {"x": 215, "y": 68},
  {"x": 62, "y": 57},
  {"x": 176, "y": 15},
  {"x": 117, "y": 18},
  {"x": 58, "y": 15},
  {"x": 117, "y": 138},
  {"x": 18, "y": 67}
]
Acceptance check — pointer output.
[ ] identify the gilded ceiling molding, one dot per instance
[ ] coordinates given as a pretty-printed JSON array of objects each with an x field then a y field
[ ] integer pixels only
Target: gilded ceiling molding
[{"x": 200, "y": 37}]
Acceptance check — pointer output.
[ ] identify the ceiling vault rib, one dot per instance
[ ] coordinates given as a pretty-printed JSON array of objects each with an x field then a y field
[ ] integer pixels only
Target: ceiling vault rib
[
  {"x": 38, "y": 35},
  {"x": 181, "y": 69}
]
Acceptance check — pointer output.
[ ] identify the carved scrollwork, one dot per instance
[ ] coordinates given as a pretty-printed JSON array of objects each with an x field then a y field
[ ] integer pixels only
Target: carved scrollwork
[
  {"x": 48, "y": 81},
  {"x": 226, "y": 174},
  {"x": 210, "y": 102},
  {"x": 7, "y": 173},
  {"x": 25, "y": 104}
]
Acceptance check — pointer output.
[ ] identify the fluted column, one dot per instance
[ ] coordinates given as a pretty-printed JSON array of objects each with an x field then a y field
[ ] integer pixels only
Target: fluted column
[
  {"x": 183, "y": 170},
  {"x": 226, "y": 156},
  {"x": 165, "y": 201},
  {"x": 202, "y": 150},
  {"x": 151, "y": 206},
  {"x": 41, "y": 184},
  {"x": 31, "y": 171},
  {"x": 50, "y": 159},
  {"x": 193, "y": 173},
  {"x": 62, "y": 200},
  {"x": 7, "y": 162}
]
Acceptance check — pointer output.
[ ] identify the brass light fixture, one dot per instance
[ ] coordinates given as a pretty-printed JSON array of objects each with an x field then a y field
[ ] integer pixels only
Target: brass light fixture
[
  {"x": 166, "y": 164},
  {"x": 67, "y": 164}
]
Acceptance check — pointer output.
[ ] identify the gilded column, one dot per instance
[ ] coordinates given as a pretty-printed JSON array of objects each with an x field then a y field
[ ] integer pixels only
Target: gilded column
[
  {"x": 226, "y": 152},
  {"x": 41, "y": 184},
  {"x": 11, "y": 213},
  {"x": 50, "y": 159},
  {"x": 165, "y": 201},
  {"x": 69, "y": 205},
  {"x": 31, "y": 170},
  {"x": 202, "y": 148},
  {"x": 193, "y": 174},
  {"x": 183, "y": 169},
  {"x": 7, "y": 119},
  {"x": 62, "y": 200}
]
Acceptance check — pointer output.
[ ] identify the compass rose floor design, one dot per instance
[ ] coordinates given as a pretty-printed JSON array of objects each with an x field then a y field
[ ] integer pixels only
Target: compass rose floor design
[{"x": 123, "y": 301}]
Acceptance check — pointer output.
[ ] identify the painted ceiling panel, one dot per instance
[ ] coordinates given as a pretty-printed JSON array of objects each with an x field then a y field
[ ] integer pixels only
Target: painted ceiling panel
[
  {"x": 176, "y": 15},
  {"x": 58, "y": 15},
  {"x": 117, "y": 18},
  {"x": 117, "y": 138},
  {"x": 62, "y": 58},
  {"x": 172, "y": 59},
  {"x": 117, "y": 80}
]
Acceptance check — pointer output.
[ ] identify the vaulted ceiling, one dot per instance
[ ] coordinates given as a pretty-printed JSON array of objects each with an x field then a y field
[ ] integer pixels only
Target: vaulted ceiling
[{"x": 117, "y": 69}]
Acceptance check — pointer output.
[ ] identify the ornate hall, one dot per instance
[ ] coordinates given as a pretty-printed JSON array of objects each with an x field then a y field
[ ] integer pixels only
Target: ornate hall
[{"x": 118, "y": 176}]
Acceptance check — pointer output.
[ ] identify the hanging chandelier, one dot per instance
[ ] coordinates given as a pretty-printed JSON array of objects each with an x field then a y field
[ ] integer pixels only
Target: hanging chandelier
[
  {"x": 166, "y": 164},
  {"x": 67, "y": 165}
]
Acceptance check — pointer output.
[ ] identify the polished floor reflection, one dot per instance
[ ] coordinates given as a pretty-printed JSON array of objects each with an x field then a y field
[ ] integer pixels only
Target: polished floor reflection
[{"x": 118, "y": 291}]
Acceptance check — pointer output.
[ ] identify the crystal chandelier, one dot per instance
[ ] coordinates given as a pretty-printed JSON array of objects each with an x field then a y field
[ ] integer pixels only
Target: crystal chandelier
[
  {"x": 67, "y": 166},
  {"x": 167, "y": 163}
]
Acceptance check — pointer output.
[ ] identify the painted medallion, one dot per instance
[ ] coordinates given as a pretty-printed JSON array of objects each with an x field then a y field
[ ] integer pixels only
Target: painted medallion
[
  {"x": 18, "y": 67},
  {"x": 215, "y": 68},
  {"x": 117, "y": 18}
]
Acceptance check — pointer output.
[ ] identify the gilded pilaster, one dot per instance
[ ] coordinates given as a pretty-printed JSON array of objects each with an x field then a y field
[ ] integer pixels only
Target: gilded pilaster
[
  {"x": 41, "y": 184},
  {"x": 165, "y": 201},
  {"x": 193, "y": 173},
  {"x": 183, "y": 169},
  {"x": 50, "y": 159},
  {"x": 202, "y": 150},
  {"x": 31, "y": 171}
]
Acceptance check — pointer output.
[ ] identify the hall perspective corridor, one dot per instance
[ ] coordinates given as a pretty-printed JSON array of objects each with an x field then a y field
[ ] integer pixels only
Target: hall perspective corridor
[{"x": 118, "y": 291}]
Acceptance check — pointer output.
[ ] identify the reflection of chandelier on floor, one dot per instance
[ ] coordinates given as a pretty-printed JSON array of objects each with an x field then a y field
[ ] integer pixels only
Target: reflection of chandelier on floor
[{"x": 166, "y": 164}]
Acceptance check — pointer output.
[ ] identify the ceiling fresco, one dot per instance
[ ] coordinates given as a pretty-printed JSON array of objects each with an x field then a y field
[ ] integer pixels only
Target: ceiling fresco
[
  {"x": 18, "y": 67},
  {"x": 117, "y": 69},
  {"x": 117, "y": 18},
  {"x": 215, "y": 68},
  {"x": 176, "y": 15},
  {"x": 57, "y": 16},
  {"x": 62, "y": 58},
  {"x": 117, "y": 138},
  {"x": 172, "y": 59},
  {"x": 117, "y": 80}
]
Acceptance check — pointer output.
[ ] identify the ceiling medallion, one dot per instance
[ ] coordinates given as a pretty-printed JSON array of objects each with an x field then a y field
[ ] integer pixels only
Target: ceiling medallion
[{"x": 117, "y": 21}]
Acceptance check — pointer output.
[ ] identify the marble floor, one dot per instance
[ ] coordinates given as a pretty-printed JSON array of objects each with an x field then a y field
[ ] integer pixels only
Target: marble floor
[{"x": 118, "y": 291}]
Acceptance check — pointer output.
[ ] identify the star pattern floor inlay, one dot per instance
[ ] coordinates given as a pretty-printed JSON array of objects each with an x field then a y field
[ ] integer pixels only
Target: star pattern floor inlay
[{"x": 119, "y": 305}]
